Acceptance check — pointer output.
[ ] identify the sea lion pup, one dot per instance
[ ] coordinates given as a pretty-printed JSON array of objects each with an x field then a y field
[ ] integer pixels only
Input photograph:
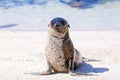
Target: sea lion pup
[{"x": 61, "y": 55}]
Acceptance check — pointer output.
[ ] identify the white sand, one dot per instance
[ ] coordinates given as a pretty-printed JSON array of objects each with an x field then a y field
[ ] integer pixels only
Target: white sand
[{"x": 22, "y": 52}]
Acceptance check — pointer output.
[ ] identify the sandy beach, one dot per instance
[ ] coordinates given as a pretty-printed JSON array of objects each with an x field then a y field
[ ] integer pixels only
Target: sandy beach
[
  {"x": 22, "y": 53},
  {"x": 95, "y": 32}
]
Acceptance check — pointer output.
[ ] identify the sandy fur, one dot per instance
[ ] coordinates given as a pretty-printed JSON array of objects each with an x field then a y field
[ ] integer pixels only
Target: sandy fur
[{"x": 54, "y": 52}]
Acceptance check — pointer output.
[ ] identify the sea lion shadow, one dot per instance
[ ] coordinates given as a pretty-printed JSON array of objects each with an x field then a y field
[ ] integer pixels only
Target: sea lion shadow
[
  {"x": 88, "y": 68},
  {"x": 8, "y": 25}
]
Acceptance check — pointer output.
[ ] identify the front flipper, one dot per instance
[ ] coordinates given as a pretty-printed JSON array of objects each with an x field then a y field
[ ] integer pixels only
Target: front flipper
[{"x": 48, "y": 71}]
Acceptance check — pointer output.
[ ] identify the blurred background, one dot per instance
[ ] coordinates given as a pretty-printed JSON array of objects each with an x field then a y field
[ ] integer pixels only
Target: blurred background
[{"x": 35, "y": 15}]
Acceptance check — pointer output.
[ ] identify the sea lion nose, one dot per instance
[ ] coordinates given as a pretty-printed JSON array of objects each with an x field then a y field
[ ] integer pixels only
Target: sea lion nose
[{"x": 58, "y": 24}]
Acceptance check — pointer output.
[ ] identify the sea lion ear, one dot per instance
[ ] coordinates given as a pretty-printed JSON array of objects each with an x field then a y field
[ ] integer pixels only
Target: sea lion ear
[
  {"x": 68, "y": 25},
  {"x": 48, "y": 25}
]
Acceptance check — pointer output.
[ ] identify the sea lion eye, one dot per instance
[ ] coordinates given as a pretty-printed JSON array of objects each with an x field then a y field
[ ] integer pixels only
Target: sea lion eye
[
  {"x": 69, "y": 26},
  {"x": 66, "y": 26}
]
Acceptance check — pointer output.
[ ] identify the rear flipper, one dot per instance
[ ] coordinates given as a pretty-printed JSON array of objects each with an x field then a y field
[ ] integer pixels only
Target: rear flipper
[
  {"x": 75, "y": 63},
  {"x": 84, "y": 59},
  {"x": 81, "y": 74}
]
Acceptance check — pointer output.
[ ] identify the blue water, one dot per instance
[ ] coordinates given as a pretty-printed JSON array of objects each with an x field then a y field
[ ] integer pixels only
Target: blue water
[
  {"x": 86, "y": 3},
  {"x": 13, "y": 3},
  {"x": 36, "y": 14}
]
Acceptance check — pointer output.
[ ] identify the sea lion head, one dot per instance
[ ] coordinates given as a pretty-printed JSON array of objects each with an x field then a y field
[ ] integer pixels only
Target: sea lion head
[{"x": 60, "y": 26}]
